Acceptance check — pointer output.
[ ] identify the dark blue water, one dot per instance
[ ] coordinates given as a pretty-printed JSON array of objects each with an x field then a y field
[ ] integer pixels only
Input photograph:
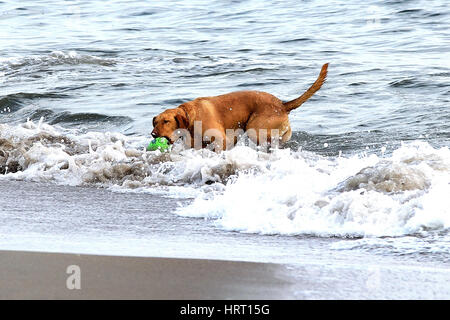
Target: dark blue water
[{"x": 114, "y": 65}]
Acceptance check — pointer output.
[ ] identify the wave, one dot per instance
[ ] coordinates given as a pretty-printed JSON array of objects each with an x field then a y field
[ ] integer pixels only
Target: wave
[
  {"x": 52, "y": 59},
  {"x": 304, "y": 194},
  {"x": 284, "y": 192},
  {"x": 413, "y": 82},
  {"x": 42, "y": 152},
  {"x": 15, "y": 101},
  {"x": 19, "y": 106},
  {"x": 76, "y": 119}
]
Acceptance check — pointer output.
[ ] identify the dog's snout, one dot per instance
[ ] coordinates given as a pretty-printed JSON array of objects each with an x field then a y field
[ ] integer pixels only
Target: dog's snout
[{"x": 154, "y": 134}]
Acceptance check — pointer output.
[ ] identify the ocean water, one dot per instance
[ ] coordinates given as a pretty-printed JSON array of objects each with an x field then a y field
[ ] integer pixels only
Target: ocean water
[{"x": 367, "y": 170}]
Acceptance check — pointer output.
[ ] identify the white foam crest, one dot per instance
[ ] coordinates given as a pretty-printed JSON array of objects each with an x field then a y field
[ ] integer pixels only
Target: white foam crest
[
  {"x": 350, "y": 197},
  {"x": 40, "y": 152}
]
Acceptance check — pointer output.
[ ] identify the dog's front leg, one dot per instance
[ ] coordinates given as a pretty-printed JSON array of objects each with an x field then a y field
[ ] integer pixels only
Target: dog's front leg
[{"x": 215, "y": 139}]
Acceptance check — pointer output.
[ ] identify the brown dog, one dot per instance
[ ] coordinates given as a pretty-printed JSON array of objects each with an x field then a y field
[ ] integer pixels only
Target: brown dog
[{"x": 217, "y": 119}]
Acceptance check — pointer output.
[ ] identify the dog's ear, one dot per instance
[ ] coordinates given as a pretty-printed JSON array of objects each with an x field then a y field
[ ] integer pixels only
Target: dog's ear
[{"x": 182, "y": 121}]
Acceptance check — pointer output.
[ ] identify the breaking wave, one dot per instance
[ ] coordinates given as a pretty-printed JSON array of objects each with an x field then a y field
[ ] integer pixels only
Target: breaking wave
[
  {"x": 42, "y": 152},
  {"x": 303, "y": 194},
  {"x": 284, "y": 192}
]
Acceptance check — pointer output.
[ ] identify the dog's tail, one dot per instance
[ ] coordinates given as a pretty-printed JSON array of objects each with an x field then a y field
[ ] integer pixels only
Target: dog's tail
[{"x": 291, "y": 105}]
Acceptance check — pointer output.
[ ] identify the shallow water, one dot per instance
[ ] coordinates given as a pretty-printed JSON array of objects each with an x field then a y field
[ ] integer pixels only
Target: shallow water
[{"x": 369, "y": 159}]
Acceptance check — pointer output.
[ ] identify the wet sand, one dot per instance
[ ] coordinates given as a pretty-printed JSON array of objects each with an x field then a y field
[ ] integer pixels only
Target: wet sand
[{"x": 35, "y": 275}]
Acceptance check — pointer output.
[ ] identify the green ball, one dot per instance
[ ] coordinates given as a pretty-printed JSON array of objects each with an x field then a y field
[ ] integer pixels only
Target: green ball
[{"x": 160, "y": 144}]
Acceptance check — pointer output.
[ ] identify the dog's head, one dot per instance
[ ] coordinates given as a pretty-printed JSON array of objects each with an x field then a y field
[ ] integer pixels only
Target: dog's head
[{"x": 166, "y": 123}]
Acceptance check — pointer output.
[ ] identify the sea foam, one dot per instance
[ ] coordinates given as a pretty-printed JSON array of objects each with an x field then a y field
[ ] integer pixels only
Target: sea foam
[
  {"x": 284, "y": 192},
  {"x": 304, "y": 194}
]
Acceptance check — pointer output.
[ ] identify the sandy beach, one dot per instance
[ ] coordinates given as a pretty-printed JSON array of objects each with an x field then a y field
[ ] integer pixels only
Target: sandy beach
[{"x": 36, "y": 275}]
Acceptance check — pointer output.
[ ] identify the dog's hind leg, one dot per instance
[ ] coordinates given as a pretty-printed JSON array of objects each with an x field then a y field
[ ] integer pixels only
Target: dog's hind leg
[{"x": 269, "y": 131}]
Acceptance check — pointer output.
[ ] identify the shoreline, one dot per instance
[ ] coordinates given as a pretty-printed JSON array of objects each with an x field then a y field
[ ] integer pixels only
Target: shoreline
[
  {"x": 61, "y": 276},
  {"x": 42, "y": 275}
]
